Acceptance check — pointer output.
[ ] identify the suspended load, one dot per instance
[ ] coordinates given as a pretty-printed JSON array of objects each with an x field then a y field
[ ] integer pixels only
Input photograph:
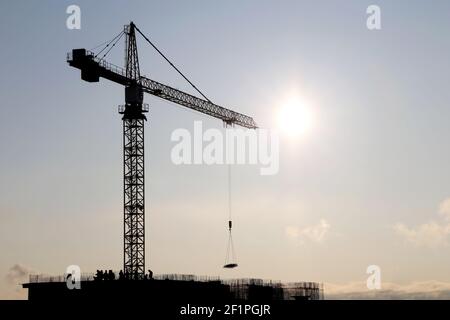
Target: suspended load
[{"x": 230, "y": 259}]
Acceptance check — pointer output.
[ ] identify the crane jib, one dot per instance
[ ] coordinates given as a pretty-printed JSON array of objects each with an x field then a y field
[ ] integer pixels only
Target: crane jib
[{"x": 93, "y": 68}]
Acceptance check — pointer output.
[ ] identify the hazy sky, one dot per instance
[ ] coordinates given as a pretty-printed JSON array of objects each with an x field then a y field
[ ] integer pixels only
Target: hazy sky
[{"x": 365, "y": 185}]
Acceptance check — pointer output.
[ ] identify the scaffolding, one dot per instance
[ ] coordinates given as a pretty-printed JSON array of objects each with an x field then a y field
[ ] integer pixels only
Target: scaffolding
[{"x": 239, "y": 289}]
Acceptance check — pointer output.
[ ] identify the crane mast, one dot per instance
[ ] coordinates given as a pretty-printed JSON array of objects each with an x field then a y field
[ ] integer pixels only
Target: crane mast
[
  {"x": 133, "y": 164},
  {"x": 133, "y": 118}
]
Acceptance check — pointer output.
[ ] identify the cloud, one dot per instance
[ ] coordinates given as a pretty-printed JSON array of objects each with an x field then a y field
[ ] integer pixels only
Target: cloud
[
  {"x": 444, "y": 209},
  {"x": 431, "y": 234},
  {"x": 316, "y": 233},
  {"x": 18, "y": 273},
  {"x": 388, "y": 291}
]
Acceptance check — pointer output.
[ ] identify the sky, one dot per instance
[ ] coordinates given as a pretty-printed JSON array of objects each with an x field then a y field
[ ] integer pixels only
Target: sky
[{"x": 367, "y": 184}]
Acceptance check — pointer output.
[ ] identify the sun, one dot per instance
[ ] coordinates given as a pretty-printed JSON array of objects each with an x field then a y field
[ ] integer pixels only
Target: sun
[{"x": 295, "y": 118}]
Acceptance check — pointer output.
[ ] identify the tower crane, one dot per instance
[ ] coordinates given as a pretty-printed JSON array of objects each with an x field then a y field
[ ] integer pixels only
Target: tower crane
[{"x": 133, "y": 112}]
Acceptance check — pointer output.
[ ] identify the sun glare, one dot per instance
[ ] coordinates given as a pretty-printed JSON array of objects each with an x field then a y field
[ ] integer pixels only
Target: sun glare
[{"x": 295, "y": 118}]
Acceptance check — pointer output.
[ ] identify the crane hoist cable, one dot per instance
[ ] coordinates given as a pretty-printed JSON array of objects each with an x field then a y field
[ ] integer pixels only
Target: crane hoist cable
[{"x": 230, "y": 257}]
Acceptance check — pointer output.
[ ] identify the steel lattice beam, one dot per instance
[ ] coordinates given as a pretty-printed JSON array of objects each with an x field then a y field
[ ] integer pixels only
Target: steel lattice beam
[
  {"x": 192, "y": 102},
  {"x": 134, "y": 200},
  {"x": 96, "y": 68}
]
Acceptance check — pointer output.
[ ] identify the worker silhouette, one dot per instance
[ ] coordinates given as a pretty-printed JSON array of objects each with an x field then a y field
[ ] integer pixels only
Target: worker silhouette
[{"x": 98, "y": 275}]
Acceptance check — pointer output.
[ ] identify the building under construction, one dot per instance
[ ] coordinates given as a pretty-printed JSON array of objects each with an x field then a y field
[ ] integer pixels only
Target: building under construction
[{"x": 171, "y": 287}]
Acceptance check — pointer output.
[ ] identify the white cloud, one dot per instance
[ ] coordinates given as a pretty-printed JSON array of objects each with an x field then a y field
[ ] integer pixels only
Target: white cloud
[
  {"x": 316, "y": 233},
  {"x": 414, "y": 290},
  {"x": 444, "y": 209},
  {"x": 430, "y": 234}
]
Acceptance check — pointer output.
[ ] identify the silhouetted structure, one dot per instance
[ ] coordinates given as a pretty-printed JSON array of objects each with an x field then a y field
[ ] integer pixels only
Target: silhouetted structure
[{"x": 171, "y": 287}]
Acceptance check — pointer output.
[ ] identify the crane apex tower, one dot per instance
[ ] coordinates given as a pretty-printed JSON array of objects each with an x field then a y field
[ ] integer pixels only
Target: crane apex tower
[{"x": 133, "y": 163}]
